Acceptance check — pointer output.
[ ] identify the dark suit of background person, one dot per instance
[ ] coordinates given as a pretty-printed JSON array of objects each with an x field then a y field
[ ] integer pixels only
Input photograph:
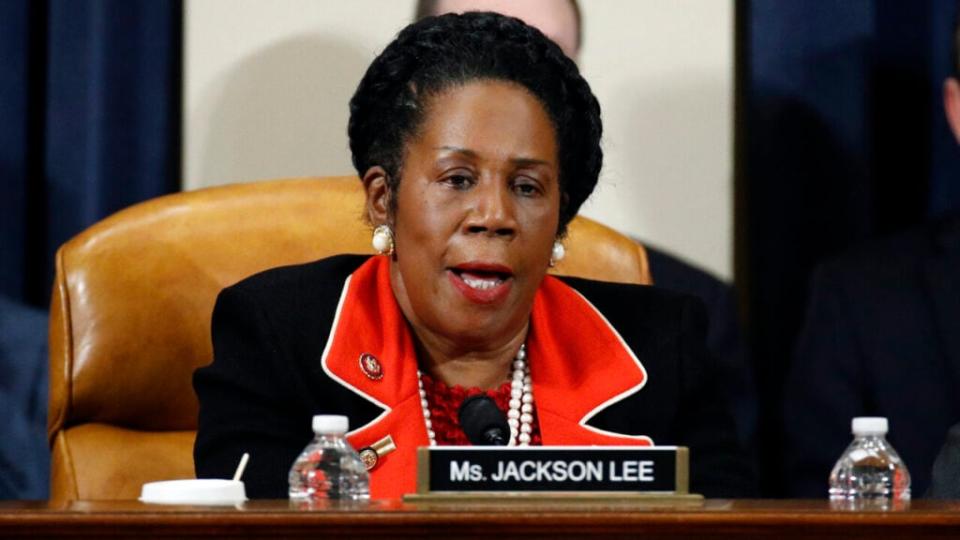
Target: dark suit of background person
[
  {"x": 724, "y": 340},
  {"x": 881, "y": 338},
  {"x": 24, "y": 457},
  {"x": 945, "y": 481}
]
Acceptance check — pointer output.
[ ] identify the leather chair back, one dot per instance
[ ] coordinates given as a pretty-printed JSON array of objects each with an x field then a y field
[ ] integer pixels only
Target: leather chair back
[{"x": 132, "y": 299}]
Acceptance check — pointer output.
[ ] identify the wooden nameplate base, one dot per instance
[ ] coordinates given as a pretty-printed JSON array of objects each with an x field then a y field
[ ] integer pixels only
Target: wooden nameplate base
[{"x": 635, "y": 475}]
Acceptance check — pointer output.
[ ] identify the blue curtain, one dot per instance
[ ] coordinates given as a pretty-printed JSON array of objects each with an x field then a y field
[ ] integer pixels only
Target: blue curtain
[
  {"x": 840, "y": 137},
  {"x": 90, "y": 109}
]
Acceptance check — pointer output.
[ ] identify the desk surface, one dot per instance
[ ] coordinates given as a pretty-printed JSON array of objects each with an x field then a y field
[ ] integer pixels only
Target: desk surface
[{"x": 508, "y": 518}]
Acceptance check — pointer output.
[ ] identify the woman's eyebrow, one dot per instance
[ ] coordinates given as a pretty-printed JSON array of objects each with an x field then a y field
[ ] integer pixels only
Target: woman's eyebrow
[
  {"x": 529, "y": 162},
  {"x": 456, "y": 149},
  {"x": 520, "y": 161}
]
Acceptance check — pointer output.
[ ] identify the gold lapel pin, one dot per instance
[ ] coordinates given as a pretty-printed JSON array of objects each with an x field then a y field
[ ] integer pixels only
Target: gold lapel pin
[{"x": 371, "y": 454}]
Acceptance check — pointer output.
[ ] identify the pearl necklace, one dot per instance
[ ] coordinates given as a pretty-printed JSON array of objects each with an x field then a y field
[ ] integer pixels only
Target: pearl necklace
[{"x": 520, "y": 413}]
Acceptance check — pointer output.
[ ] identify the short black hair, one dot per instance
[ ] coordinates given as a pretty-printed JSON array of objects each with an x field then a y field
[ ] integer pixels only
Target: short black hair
[
  {"x": 437, "y": 53},
  {"x": 427, "y": 8}
]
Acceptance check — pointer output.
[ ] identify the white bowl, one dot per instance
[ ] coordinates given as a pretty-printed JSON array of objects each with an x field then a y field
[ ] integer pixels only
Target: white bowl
[{"x": 203, "y": 491}]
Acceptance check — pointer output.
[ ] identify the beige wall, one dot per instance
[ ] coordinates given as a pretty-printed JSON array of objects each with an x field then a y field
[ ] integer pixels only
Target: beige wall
[{"x": 267, "y": 83}]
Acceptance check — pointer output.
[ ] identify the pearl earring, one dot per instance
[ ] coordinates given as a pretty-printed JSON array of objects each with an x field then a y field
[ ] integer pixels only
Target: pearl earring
[
  {"x": 383, "y": 240},
  {"x": 557, "y": 254}
]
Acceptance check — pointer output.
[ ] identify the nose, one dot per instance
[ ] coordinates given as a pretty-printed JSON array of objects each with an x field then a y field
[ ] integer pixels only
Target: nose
[{"x": 492, "y": 211}]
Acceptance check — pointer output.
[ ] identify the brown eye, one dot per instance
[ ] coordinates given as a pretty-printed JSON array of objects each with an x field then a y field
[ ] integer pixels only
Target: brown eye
[
  {"x": 459, "y": 181},
  {"x": 526, "y": 188}
]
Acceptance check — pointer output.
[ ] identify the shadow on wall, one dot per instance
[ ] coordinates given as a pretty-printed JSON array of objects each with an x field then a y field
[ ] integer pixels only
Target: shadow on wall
[
  {"x": 280, "y": 112},
  {"x": 662, "y": 128}
]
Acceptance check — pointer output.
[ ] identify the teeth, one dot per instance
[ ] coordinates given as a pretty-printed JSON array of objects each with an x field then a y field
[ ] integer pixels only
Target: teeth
[{"x": 481, "y": 284}]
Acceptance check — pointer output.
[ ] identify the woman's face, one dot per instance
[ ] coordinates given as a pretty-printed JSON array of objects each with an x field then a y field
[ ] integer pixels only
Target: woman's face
[{"x": 477, "y": 214}]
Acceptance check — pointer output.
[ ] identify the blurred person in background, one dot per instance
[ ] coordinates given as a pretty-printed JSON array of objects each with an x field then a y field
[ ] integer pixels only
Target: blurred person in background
[
  {"x": 882, "y": 338},
  {"x": 24, "y": 456}
]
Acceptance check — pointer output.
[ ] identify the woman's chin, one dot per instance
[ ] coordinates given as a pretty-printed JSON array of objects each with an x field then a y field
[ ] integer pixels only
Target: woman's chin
[
  {"x": 480, "y": 326},
  {"x": 479, "y": 336}
]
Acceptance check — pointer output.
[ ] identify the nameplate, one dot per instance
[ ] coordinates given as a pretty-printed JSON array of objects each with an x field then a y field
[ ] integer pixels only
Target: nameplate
[{"x": 479, "y": 469}]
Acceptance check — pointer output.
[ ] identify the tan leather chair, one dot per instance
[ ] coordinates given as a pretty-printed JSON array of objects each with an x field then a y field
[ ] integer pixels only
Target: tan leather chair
[{"x": 130, "y": 315}]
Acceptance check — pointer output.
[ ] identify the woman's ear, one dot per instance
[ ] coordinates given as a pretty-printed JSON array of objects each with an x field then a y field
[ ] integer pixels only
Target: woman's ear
[{"x": 378, "y": 195}]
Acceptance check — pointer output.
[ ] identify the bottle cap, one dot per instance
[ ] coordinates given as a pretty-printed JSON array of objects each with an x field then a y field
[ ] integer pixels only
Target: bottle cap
[
  {"x": 330, "y": 423},
  {"x": 869, "y": 425}
]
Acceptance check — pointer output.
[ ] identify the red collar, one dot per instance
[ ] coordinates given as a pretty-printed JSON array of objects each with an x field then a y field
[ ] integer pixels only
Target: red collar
[{"x": 597, "y": 367}]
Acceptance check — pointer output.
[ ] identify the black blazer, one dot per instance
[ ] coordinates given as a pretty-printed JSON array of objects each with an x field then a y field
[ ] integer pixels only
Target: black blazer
[
  {"x": 265, "y": 382},
  {"x": 724, "y": 338},
  {"x": 881, "y": 338}
]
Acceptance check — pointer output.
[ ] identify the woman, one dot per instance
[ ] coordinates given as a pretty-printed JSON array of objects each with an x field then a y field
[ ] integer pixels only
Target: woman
[{"x": 477, "y": 141}]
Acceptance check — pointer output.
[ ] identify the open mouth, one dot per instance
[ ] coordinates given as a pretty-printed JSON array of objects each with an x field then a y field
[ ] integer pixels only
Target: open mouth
[
  {"x": 480, "y": 282},
  {"x": 479, "y": 279}
]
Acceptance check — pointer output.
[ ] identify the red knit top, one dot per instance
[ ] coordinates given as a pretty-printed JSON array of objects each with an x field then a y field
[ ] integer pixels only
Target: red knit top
[{"x": 445, "y": 401}]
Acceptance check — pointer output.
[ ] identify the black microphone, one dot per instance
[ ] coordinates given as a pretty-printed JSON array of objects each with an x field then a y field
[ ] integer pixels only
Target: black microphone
[{"x": 483, "y": 422}]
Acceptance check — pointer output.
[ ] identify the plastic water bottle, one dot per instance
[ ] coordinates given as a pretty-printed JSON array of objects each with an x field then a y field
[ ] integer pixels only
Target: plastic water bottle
[
  {"x": 869, "y": 474},
  {"x": 329, "y": 468}
]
